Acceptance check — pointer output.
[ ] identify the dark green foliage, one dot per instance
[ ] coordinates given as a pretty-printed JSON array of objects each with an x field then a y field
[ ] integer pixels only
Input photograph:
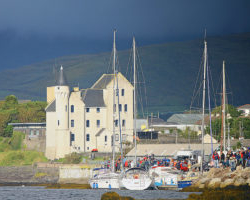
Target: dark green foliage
[
  {"x": 229, "y": 109},
  {"x": 16, "y": 140},
  {"x": 239, "y": 126},
  {"x": 7, "y": 132},
  {"x": 10, "y": 102},
  {"x": 11, "y": 111},
  {"x": 12, "y": 143},
  {"x": 73, "y": 158}
]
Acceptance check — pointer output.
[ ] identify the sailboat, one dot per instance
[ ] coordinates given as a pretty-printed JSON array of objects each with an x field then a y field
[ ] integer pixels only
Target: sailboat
[
  {"x": 108, "y": 178},
  {"x": 135, "y": 178}
]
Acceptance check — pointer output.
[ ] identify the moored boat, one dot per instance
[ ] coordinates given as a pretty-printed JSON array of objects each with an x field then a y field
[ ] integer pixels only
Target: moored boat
[
  {"x": 136, "y": 179},
  {"x": 104, "y": 179}
]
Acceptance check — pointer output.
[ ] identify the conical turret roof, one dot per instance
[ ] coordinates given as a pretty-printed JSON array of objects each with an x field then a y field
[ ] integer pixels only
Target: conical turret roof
[{"x": 61, "y": 79}]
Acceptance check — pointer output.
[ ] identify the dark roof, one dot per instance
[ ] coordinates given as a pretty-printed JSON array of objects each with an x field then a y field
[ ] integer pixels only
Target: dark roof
[
  {"x": 103, "y": 81},
  {"x": 185, "y": 118},
  {"x": 51, "y": 107},
  {"x": 156, "y": 121},
  {"x": 61, "y": 79},
  {"x": 93, "y": 98}
]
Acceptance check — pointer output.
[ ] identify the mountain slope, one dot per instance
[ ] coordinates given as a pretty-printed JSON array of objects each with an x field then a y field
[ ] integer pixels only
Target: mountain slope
[{"x": 170, "y": 71}]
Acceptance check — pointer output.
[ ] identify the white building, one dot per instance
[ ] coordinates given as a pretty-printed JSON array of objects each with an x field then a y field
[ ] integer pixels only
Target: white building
[
  {"x": 83, "y": 120},
  {"x": 245, "y": 109}
]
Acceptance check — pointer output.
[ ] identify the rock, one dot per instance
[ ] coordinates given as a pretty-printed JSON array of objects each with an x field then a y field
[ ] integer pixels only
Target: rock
[
  {"x": 110, "y": 196},
  {"x": 204, "y": 180},
  {"x": 114, "y": 196},
  {"x": 214, "y": 183},
  {"x": 248, "y": 181},
  {"x": 227, "y": 182},
  {"x": 245, "y": 174},
  {"x": 239, "y": 168},
  {"x": 239, "y": 181},
  {"x": 217, "y": 172},
  {"x": 201, "y": 186}
]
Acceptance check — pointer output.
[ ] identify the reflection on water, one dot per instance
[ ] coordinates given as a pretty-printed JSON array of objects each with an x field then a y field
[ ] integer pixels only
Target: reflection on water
[{"x": 34, "y": 193}]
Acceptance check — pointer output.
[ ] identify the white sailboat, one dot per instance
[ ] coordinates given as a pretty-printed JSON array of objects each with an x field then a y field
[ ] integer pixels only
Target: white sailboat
[
  {"x": 135, "y": 178},
  {"x": 108, "y": 178}
]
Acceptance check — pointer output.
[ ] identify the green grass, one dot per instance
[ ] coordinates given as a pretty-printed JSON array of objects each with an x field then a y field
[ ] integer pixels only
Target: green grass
[
  {"x": 19, "y": 158},
  {"x": 12, "y": 152}
]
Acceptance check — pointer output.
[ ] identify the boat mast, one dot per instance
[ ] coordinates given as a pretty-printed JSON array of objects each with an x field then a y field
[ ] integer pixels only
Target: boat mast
[
  {"x": 135, "y": 110},
  {"x": 224, "y": 107},
  {"x": 203, "y": 102},
  {"x": 114, "y": 105}
]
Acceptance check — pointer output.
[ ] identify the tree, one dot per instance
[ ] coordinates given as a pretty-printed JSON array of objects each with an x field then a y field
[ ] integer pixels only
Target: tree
[{"x": 10, "y": 102}]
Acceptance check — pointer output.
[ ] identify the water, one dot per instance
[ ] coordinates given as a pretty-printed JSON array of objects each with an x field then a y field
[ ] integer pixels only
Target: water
[{"x": 40, "y": 193}]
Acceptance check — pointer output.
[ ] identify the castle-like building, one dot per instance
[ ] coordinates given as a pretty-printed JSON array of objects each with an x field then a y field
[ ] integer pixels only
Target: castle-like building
[{"x": 83, "y": 120}]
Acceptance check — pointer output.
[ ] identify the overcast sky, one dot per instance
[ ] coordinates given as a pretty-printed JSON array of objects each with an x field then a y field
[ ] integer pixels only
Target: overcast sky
[
  {"x": 96, "y": 18},
  {"x": 92, "y": 21}
]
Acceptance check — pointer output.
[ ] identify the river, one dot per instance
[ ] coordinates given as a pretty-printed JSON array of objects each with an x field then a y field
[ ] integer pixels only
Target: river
[{"x": 40, "y": 193}]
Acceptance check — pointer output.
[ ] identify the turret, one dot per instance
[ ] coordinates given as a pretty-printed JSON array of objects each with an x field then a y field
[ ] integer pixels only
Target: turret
[{"x": 62, "y": 101}]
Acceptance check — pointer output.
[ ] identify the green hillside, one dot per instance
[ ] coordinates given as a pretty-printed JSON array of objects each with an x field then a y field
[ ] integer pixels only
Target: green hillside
[{"x": 170, "y": 71}]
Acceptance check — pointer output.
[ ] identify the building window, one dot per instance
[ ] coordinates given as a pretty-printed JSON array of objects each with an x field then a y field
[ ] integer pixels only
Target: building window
[
  {"x": 116, "y": 123},
  {"x": 72, "y": 123},
  {"x": 120, "y": 107},
  {"x": 87, "y": 123},
  {"x": 124, "y": 137},
  {"x": 31, "y": 132},
  {"x": 37, "y": 132},
  {"x": 87, "y": 148},
  {"x": 87, "y": 109},
  {"x": 123, "y": 123},
  {"x": 97, "y": 110},
  {"x": 114, "y": 107},
  {"x": 105, "y": 138},
  {"x": 116, "y": 137},
  {"x": 72, "y": 138},
  {"x": 98, "y": 123},
  {"x": 72, "y": 108},
  {"x": 112, "y": 140},
  {"x": 123, "y": 91},
  {"x": 87, "y": 137},
  {"x": 58, "y": 122},
  {"x": 66, "y": 108},
  {"x": 125, "y": 108}
]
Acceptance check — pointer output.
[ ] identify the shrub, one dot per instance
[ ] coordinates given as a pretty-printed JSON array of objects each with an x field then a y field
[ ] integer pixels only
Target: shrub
[{"x": 73, "y": 158}]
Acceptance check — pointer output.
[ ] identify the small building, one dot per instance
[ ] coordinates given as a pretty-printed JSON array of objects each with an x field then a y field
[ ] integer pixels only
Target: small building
[
  {"x": 35, "y": 134},
  {"x": 245, "y": 109},
  {"x": 168, "y": 150},
  {"x": 180, "y": 121}
]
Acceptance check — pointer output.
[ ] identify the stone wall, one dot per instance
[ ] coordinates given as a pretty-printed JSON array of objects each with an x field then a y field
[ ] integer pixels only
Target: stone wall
[{"x": 28, "y": 175}]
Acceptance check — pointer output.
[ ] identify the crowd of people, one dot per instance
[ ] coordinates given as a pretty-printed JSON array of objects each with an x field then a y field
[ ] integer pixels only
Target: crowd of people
[
  {"x": 228, "y": 159},
  {"x": 148, "y": 162},
  {"x": 232, "y": 159}
]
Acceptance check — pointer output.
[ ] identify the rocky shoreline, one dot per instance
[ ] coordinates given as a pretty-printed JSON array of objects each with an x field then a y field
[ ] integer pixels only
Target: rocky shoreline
[
  {"x": 222, "y": 178},
  {"x": 220, "y": 183}
]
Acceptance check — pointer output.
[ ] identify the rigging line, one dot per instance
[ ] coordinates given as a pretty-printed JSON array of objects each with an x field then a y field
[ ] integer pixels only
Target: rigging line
[
  {"x": 213, "y": 90},
  {"x": 230, "y": 88},
  {"x": 144, "y": 80},
  {"x": 129, "y": 60},
  {"x": 209, "y": 105},
  {"x": 199, "y": 75}
]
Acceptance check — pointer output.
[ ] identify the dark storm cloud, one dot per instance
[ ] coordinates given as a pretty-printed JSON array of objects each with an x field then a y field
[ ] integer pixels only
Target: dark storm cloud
[{"x": 144, "y": 18}]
